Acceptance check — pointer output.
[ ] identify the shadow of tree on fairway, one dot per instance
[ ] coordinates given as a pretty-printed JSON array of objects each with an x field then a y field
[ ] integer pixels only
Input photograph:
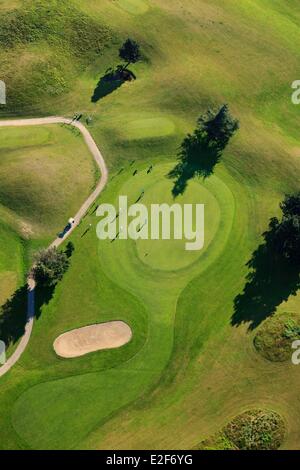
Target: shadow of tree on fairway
[
  {"x": 271, "y": 280},
  {"x": 197, "y": 157},
  {"x": 111, "y": 81},
  {"x": 43, "y": 296},
  {"x": 201, "y": 151},
  {"x": 69, "y": 249},
  {"x": 13, "y": 313},
  {"x": 13, "y": 316}
]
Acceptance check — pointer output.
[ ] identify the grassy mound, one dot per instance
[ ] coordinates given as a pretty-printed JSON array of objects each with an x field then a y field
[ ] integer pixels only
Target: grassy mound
[
  {"x": 57, "y": 22},
  {"x": 38, "y": 176},
  {"x": 43, "y": 47},
  {"x": 274, "y": 338},
  {"x": 251, "y": 430}
]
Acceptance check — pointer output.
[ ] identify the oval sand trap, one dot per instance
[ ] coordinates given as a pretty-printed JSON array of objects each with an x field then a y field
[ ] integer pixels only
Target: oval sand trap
[{"x": 92, "y": 338}]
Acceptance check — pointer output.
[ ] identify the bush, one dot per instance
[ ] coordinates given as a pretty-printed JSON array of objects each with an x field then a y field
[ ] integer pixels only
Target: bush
[
  {"x": 256, "y": 430},
  {"x": 286, "y": 233},
  {"x": 50, "y": 266},
  {"x": 274, "y": 338},
  {"x": 251, "y": 430}
]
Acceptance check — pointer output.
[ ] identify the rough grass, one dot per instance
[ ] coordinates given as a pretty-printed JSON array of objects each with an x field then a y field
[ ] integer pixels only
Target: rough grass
[
  {"x": 275, "y": 337},
  {"x": 11, "y": 261},
  {"x": 45, "y": 175},
  {"x": 62, "y": 41},
  {"x": 56, "y": 22}
]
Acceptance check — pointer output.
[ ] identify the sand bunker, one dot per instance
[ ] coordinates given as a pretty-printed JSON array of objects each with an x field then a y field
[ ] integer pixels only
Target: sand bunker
[{"x": 92, "y": 338}]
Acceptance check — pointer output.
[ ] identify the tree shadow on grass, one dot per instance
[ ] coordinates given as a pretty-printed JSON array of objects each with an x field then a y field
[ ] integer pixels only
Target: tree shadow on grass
[
  {"x": 43, "y": 296},
  {"x": 13, "y": 313},
  {"x": 197, "y": 157},
  {"x": 201, "y": 151},
  {"x": 13, "y": 316},
  {"x": 271, "y": 281},
  {"x": 111, "y": 81}
]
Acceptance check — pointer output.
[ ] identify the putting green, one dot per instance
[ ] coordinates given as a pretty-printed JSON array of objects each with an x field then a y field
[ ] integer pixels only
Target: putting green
[
  {"x": 135, "y": 7},
  {"x": 171, "y": 254},
  {"x": 148, "y": 128}
]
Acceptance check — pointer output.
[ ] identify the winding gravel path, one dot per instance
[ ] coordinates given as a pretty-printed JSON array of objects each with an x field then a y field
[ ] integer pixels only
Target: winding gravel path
[{"x": 58, "y": 241}]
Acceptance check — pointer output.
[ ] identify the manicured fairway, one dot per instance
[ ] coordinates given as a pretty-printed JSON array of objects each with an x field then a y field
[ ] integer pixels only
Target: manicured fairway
[
  {"x": 124, "y": 266},
  {"x": 188, "y": 371},
  {"x": 199, "y": 326}
]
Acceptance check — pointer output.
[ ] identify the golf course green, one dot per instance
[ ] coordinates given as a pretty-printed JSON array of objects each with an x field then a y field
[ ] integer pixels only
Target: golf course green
[{"x": 191, "y": 366}]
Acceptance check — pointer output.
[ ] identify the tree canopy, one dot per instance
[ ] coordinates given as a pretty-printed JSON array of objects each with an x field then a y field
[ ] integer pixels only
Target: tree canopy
[
  {"x": 130, "y": 52},
  {"x": 218, "y": 127},
  {"x": 291, "y": 205},
  {"x": 201, "y": 151},
  {"x": 286, "y": 233},
  {"x": 50, "y": 266}
]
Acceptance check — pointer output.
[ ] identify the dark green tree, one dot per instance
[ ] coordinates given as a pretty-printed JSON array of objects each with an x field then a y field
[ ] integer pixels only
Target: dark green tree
[
  {"x": 130, "y": 52},
  {"x": 49, "y": 267},
  {"x": 201, "y": 151},
  {"x": 273, "y": 268},
  {"x": 291, "y": 205},
  {"x": 218, "y": 127},
  {"x": 286, "y": 233}
]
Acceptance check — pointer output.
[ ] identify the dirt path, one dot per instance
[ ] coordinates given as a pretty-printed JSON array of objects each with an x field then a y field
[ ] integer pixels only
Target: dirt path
[{"x": 58, "y": 241}]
